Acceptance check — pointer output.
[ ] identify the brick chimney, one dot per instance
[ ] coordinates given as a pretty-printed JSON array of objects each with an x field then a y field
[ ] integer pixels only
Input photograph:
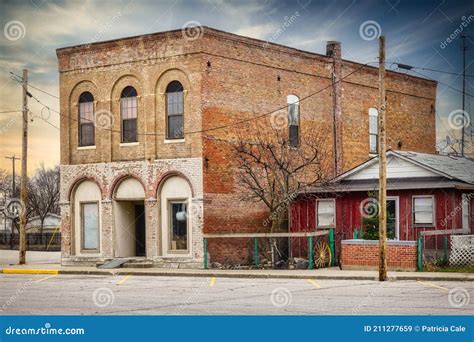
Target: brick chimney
[{"x": 333, "y": 50}]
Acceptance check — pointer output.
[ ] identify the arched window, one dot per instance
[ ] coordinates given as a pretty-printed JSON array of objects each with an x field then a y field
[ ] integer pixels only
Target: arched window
[
  {"x": 128, "y": 114},
  {"x": 293, "y": 103},
  {"x": 373, "y": 130},
  {"x": 86, "y": 119},
  {"x": 174, "y": 111}
]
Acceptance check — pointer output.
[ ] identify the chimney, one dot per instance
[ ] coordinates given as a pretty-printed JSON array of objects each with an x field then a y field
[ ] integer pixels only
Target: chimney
[{"x": 333, "y": 50}]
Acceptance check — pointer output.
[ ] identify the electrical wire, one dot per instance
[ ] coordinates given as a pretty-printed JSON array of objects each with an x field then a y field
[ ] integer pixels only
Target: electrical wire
[{"x": 205, "y": 130}]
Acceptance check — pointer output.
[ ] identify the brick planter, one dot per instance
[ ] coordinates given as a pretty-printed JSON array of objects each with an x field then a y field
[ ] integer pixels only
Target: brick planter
[{"x": 364, "y": 254}]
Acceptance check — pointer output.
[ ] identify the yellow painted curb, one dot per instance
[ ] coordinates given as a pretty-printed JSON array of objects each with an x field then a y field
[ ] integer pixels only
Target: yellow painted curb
[{"x": 28, "y": 271}]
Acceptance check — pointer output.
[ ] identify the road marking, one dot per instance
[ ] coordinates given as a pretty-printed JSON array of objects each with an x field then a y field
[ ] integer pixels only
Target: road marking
[
  {"x": 45, "y": 278},
  {"x": 213, "y": 281},
  {"x": 312, "y": 282},
  {"x": 123, "y": 280},
  {"x": 433, "y": 285}
]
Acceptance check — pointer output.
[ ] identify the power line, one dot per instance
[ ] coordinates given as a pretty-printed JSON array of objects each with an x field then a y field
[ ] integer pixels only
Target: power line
[
  {"x": 34, "y": 87},
  {"x": 10, "y": 111},
  {"x": 209, "y": 129},
  {"x": 446, "y": 85}
]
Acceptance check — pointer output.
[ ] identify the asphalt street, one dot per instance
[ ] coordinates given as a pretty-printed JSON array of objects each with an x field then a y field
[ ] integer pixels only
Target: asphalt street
[{"x": 157, "y": 295}]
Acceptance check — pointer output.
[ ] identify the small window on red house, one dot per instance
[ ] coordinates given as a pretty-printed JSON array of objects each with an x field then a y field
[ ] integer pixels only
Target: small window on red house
[
  {"x": 325, "y": 212},
  {"x": 423, "y": 212}
]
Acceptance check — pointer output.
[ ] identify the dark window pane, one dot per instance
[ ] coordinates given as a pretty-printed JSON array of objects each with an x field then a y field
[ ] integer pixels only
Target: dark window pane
[
  {"x": 86, "y": 134},
  {"x": 175, "y": 127},
  {"x": 128, "y": 92},
  {"x": 294, "y": 135},
  {"x": 129, "y": 130}
]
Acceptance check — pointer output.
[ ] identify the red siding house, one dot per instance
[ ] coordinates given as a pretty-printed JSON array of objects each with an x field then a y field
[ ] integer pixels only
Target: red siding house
[{"x": 426, "y": 193}]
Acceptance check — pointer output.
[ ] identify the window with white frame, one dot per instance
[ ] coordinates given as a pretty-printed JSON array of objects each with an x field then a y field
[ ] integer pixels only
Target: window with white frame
[
  {"x": 373, "y": 130},
  {"x": 423, "y": 210},
  {"x": 325, "y": 210}
]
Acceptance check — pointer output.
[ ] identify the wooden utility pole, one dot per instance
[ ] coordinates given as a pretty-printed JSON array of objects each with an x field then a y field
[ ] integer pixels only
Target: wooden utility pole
[
  {"x": 463, "y": 128},
  {"x": 24, "y": 180},
  {"x": 13, "y": 195},
  {"x": 382, "y": 166}
]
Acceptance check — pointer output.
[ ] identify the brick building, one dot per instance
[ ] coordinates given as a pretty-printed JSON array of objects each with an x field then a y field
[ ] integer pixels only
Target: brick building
[{"x": 135, "y": 159}]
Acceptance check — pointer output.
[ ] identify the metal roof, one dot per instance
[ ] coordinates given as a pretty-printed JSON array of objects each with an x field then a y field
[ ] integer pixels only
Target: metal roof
[{"x": 452, "y": 166}]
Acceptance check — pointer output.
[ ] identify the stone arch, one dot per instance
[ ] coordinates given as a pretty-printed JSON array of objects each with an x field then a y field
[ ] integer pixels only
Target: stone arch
[
  {"x": 119, "y": 179},
  {"x": 77, "y": 181},
  {"x": 159, "y": 183}
]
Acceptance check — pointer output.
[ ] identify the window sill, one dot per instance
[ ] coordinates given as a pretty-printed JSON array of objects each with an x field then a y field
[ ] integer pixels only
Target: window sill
[
  {"x": 86, "y": 147},
  {"x": 372, "y": 155},
  {"x": 129, "y": 144},
  {"x": 174, "y": 141}
]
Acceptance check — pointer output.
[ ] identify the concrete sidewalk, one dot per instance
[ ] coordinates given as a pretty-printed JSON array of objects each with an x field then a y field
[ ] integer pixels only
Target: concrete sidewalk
[{"x": 325, "y": 273}]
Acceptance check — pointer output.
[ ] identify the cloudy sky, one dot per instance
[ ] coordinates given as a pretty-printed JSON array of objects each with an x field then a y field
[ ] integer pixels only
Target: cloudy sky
[{"x": 417, "y": 33}]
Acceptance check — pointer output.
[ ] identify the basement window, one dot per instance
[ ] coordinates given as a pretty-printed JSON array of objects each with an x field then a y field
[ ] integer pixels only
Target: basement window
[
  {"x": 293, "y": 103},
  {"x": 128, "y": 114},
  {"x": 373, "y": 130},
  {"x": 423, "y": 210},
  {"x": 326, "y": 209},
  {"x": 86, "y": 120}
]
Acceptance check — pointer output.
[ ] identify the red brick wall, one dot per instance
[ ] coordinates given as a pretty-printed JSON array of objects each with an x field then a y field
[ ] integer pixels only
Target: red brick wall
[{"x": 365, "y": 256}]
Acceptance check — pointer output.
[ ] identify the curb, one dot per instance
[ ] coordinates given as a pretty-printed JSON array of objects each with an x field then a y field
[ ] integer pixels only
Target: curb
[
  {"x": 231, "y": 275},
  {"x": 28, "y": 271}
]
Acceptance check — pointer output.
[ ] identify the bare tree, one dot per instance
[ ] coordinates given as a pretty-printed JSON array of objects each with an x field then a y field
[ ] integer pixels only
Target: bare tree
[
  {"x": 274, "y": 171},
  {"x": 43, "y": 193}
]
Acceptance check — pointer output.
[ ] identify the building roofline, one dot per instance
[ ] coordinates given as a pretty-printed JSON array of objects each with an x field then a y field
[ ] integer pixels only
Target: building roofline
[{"x": 243, "y": 39}]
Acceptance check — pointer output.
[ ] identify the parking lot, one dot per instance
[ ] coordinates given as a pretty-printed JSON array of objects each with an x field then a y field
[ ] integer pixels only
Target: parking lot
[{"x": 159, "y": 295}]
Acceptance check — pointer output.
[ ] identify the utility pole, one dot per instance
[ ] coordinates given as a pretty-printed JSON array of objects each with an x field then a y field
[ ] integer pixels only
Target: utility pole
[
  {"x": 464, "y": 49},
  {"x": 24, "y": 156},
  {"x": 382, "y": 166},
  {"x": 13, "y": 195},
  {"x": 13, "y": 159}
]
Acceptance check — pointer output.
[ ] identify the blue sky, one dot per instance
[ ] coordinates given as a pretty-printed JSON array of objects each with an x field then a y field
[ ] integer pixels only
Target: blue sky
[{"x": 416, "y": 34}]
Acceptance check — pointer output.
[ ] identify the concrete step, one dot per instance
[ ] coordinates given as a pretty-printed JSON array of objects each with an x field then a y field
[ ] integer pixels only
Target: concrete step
[{"x": 138, "y": 263}]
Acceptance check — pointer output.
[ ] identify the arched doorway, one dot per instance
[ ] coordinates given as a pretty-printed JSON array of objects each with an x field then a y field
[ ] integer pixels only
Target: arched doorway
[{"x": 129, "y": 219}]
